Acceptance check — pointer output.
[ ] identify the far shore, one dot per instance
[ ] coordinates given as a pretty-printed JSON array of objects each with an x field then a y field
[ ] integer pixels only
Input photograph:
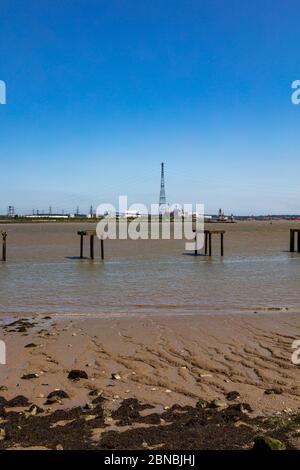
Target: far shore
[{"x": 89, "y": 220}]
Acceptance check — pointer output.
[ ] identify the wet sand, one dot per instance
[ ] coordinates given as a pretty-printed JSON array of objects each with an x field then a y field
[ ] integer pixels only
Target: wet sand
[{"x": 160, "y": 360}]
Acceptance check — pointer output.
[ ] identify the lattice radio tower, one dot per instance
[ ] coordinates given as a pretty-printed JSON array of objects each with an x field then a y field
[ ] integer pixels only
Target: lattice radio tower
[
  {"x": 11, "y": 211},
  {"x": 162, "y": 194}
]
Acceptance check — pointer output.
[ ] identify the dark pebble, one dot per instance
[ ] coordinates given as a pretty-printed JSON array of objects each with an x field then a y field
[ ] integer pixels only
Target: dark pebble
[
  {"x": 19, "y": 400},
  {"x": 29, "y": 376},
  {"x": 273, "y": 391},
  {"x": 58, "y": 394},
  {"x": 77, "y": 375},
  {"x": 38, "y": 409},
  {"x": 232, "y": 395}
]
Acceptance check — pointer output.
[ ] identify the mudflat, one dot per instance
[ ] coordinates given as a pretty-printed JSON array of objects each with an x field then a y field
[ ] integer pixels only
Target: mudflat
[
  {"x": 159, "y": 364},
  {"x": 161, "y": 360}
]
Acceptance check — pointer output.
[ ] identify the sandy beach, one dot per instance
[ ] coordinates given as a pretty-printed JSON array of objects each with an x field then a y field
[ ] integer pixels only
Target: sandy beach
[{"x": 160, "y": 361}]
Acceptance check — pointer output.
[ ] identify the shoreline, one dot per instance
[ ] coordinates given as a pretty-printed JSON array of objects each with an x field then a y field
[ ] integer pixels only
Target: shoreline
[{"x": 204, "y": 311}]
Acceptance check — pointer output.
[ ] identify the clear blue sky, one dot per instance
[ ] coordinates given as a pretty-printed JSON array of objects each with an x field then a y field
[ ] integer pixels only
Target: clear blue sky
[{"x": 100, "y": 92}]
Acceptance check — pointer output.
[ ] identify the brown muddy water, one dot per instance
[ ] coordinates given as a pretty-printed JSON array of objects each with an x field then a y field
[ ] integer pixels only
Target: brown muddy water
[{"x": 44, "y": 275}]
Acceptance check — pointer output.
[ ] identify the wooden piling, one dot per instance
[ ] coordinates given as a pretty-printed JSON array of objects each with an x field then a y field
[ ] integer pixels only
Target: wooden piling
[
  {"x": 92, "y": 246},
  {"x": 209, "y": 244},
  {"x": 102, "y": 248},
  {"x": 92, "y": 234},
  {"x": 4, "y": 235},
  {"x": 292, "y": 240},
  {"x": 208, "y": 241},
  {"x": 81, "y": 246}
]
